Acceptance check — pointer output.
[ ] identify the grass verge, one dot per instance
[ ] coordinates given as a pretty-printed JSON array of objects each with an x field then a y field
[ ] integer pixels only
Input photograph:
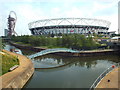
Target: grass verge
[{"x": 8, "y": 61}]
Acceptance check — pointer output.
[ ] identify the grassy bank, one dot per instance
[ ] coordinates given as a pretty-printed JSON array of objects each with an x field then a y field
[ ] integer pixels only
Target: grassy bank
[{"x": 8, "y": 61}]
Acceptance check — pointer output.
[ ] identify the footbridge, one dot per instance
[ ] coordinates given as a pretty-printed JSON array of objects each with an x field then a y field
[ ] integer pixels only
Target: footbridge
[{"x": 47, "y": 51}]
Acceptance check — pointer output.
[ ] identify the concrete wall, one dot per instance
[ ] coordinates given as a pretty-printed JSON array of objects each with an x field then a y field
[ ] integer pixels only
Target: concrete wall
[
  {"x": 18, "y": 77},
  {"x": 90, "y": 53}
]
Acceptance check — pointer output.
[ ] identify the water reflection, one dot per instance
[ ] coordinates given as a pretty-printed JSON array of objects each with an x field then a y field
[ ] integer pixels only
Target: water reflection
[
  {"x": 57, "y": 68},
  {"x": 55, "y": 61},
  {"x": 81, "y": 73},
  {"x": 12, "y": 49},
  {"x": 69, "y": 72}
]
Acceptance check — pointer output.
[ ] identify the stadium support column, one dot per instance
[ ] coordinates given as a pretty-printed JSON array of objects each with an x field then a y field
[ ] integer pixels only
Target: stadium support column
[
  {"x": 85, "y": 30},
  {"x": 106, "y": 30},
  {"x": 92, "y": 30},
  {"x": 81, "y": 30},
  {"x": 78, "y": 30},
  {"x": 63, "y": 30},
  {"x": 56, "y": 31},
  {"x": 97, "y": 31},
  {"x": 88, "y": 30},
  {"x": 74, "y": 29},
  {"x": 66, "y": 30}
]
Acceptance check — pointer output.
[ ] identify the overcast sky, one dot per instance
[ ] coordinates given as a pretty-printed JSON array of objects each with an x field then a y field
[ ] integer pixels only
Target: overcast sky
[{"x": 31, "y": 10}]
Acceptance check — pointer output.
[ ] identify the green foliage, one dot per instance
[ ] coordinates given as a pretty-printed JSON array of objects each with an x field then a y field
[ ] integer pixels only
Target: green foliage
[
  {"x": 8, "y": 61},
  {"x": 75, "y": 41}
]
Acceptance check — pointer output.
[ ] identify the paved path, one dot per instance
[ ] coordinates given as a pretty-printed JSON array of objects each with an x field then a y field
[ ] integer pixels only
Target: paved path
[{"x": 114, "y": 80}]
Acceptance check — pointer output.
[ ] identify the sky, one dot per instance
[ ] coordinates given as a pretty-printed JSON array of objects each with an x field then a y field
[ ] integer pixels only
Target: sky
[
  {"x": 119, "y": 17},
  {"x": 32, "y": 10}
]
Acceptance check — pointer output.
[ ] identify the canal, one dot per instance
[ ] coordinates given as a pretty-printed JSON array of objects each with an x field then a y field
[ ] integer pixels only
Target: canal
[{"x": 55, "y": 71}]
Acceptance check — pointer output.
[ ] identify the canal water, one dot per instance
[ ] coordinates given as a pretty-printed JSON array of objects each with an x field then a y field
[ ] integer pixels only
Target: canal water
[{"x": 55, "y": 71}]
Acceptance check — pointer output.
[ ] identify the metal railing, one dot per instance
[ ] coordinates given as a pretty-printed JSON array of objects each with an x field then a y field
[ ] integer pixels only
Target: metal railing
[
  {"x": 103, "y": 75},
  {"x": 47, "y": 51}
]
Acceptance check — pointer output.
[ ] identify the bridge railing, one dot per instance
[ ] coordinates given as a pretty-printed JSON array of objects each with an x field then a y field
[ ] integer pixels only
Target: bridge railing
[
  {"x": 52, "y": 51},
  {"x": 103, "y": 75}
]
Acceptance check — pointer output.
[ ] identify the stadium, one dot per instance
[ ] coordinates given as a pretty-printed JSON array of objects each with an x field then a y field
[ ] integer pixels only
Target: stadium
[{"x": 69, "y": 26}]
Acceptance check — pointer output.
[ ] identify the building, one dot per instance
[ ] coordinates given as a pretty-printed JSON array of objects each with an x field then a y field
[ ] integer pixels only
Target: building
[
  {"x": 111, "y": 32},
  {"x": 119, "y": 17},
  {"x": 115, "y": 39},
  {"x": 6, "y": 32},
  {"x": 69, "y": 26}
]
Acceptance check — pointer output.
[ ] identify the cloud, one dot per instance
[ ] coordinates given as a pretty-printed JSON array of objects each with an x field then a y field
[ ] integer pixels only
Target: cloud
[
  {"x": 31, "y": 10},
  {"x": 74, "y": 12}
]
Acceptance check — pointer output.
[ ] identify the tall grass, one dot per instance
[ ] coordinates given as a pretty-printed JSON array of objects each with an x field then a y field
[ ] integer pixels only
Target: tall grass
[{"x": 8, "y": 61}]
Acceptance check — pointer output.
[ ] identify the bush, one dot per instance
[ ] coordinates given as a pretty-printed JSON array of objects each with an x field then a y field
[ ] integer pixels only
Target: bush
[{"x": 8, "y": 61}]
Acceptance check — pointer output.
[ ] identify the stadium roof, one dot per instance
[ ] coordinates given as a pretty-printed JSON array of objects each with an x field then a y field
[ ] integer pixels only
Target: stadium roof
[{"x": 69, "y": 21}]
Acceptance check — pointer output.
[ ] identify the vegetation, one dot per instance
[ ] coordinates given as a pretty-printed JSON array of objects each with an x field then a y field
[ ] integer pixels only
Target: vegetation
[
  {"x": 74, "y": 41},
  {"x": 8, "y": 61}
]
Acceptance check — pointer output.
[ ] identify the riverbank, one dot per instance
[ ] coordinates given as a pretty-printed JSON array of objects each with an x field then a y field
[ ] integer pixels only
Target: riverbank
[
  {"x": 8, "y": 61},
  {"x": 111, "y": 80},
  {"x": 90, "y": 70},
  {"x": 18, "y": 77},
  {"x": 80, "y": 54},
  {"x": 36, "y": 49}
]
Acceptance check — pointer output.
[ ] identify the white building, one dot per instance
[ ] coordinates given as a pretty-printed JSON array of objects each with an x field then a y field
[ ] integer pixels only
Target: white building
[
  {"x": 119, "y": 17},
  {"x": 115, "y": 39},
  {"x": 6, "y": 32}
]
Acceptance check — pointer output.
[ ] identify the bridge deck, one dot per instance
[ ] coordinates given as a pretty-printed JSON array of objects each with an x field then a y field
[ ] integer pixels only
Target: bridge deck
[{"x": 47, "y": 51}]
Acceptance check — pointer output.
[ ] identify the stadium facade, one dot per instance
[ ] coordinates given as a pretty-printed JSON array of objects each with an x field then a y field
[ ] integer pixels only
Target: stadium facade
[{"x": 69, "y": 25}]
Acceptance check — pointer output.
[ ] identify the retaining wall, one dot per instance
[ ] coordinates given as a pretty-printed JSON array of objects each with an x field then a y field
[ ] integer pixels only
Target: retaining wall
[
  {"x": 90, "y": 53},
  {"x": 18, "y": 77}
]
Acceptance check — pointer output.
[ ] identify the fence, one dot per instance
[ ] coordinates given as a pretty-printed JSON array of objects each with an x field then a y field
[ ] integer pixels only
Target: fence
[{"x": 103, "y": 75}]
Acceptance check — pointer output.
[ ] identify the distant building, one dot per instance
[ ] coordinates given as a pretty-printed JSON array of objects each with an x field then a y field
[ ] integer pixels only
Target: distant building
[
  {"x": 119, "y": 31},
  {"x": 6, "y": 32},
  {"x": 111, "y": 32},
  {"x": 115, "y": 39}
]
